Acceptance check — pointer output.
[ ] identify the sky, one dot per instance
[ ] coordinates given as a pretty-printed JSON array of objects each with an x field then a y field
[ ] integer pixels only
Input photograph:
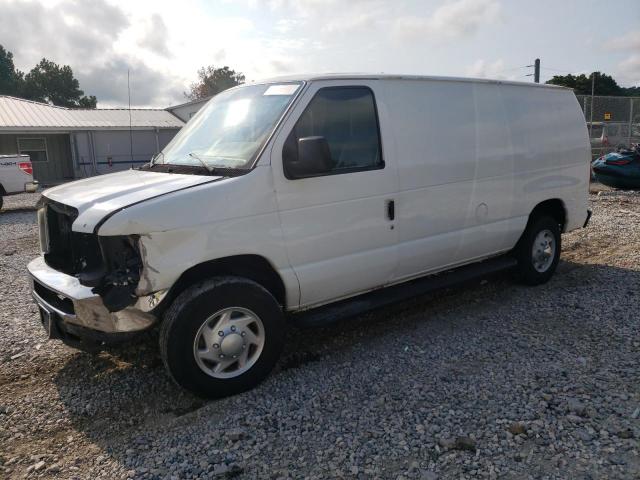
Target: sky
[{"x": 164, "y": 43}]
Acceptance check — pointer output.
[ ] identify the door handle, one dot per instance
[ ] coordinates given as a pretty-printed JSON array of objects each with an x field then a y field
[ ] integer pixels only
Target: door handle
[{"x": 391, "y": 209}]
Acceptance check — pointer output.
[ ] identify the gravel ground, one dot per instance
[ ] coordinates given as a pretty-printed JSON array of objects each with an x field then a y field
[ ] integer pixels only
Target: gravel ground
[
  {"x": 493, "y": 380},
  {"x": 20, "y": 201}
]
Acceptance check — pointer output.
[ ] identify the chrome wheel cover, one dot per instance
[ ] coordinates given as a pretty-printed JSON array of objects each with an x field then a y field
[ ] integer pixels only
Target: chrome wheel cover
[
  {"x": 229, "y": 342},
  {"x": 543, "y": 251}
]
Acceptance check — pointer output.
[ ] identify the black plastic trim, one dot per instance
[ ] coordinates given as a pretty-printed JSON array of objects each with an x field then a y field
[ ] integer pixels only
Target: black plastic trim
[{"x": 381, "y": 297}]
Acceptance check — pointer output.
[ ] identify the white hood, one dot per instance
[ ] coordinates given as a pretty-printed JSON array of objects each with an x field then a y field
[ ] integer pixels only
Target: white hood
[{"x": 96, "y": 197}]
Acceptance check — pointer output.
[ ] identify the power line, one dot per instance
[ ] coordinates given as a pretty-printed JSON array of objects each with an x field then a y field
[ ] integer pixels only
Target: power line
[{"x": 559, "y": 70}]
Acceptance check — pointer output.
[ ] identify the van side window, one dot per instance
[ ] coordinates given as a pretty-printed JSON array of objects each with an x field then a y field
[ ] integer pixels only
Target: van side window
[{"x": 346, "y": 117}]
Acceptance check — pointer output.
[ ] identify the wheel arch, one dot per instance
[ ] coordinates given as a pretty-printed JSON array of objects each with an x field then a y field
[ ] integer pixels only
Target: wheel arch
[
  {"x": 2, "y": 190},
  {"x": 251, "y": 266},
  {"x": 553, "y": 207}
]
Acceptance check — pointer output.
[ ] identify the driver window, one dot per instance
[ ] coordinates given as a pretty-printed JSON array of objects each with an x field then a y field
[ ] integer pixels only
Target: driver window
[{"x": 346, "y": 117}]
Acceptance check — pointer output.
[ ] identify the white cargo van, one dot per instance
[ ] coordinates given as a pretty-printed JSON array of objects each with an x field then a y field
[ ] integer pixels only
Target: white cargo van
[{"x": 300, "y": 198}]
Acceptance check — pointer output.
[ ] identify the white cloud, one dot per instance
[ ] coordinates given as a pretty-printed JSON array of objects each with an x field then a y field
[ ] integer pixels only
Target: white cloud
[
  {"x": 156, "y": 38},
  {"x": 483, "y": 69},
  {"x": 348, "y": 23},
  {"x": 285, "y": 25},
  {"x": 163, "y": 44},
  {"x": 628, "y": 41},
  {"x": 630, "y": 69},
  {"x": 454, "y": 19},
  {"x": 63, "y": 31}
]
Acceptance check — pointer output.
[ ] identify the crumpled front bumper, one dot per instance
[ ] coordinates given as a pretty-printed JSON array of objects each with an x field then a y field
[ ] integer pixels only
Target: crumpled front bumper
[{"x": 75, "y": 308}]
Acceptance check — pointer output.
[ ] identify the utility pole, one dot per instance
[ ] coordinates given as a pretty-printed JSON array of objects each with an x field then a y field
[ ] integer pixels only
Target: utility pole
[
  {"x": 536, "y": 71},
  {"x": 130, "y": 122},
  {"x": 593, "y": 89}
]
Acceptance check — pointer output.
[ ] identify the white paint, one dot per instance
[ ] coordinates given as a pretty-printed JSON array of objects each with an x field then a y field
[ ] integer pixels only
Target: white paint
[
  {"x": 96, "y": 197},
  {"x": 465, "y": 161}
]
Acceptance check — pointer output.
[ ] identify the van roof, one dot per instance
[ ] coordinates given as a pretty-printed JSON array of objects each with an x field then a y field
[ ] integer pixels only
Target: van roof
[{"x": 387, "y": 76}]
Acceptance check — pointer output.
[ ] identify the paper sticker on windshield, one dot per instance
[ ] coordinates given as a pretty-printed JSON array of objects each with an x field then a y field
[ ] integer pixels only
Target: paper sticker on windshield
[{"x": 287, "y": 89}]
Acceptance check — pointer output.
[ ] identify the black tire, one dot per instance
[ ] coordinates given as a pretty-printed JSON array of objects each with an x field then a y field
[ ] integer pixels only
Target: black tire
[
  {"x": 1, "y": 202},
  {"x": 526, "y": 271},
  {"x": 187, "y": 314}
]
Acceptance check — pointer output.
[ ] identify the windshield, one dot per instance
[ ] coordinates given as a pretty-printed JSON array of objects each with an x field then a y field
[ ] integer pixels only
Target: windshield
[{"x": 229, "y": 131}]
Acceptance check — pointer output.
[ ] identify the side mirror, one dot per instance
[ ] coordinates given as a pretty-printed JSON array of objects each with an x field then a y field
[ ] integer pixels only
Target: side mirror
[{"x": 314, "y": 158}]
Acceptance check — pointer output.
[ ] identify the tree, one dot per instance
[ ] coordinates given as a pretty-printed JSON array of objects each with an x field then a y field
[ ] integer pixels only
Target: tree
[
  {"x": 51, "y": 83},
  {"x": 581, "y": 84},
  {"x": 212, "y": 81},
  {"x": 632, "y": 91},
  {"x": 10, "y": 78},
  {"x": 88, "y": 102}
]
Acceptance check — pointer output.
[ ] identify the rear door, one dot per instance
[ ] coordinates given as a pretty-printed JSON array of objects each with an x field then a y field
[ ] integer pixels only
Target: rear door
[{"x": 339, "y": 227}]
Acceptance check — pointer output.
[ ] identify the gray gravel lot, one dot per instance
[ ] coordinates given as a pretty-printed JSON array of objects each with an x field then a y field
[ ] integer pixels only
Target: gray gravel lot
[
  {"x": 494, "y": 380},
  {"x": 20, "y": 201}
]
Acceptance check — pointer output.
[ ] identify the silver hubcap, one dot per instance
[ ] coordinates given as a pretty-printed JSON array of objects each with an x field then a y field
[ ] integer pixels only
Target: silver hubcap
[
  {"x": 543, "y": 251},
  {"x": 229, "y": 342}
]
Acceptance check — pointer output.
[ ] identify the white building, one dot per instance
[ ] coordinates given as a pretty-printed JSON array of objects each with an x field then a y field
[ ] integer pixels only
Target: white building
[
  {"x": 66, "y": 144},
  {"x": 185, "y": 111}
]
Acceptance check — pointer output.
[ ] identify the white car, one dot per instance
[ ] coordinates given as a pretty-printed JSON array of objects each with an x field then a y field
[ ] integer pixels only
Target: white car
[
  {"x": 16, "y": 175},
  {"x": 297, "y": 200}
]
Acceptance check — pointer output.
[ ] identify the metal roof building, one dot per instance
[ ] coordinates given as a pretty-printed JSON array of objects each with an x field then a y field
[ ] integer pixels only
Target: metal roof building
[
  {"x": 65, "y": 144},
  {"x": 24, "y": 114}
]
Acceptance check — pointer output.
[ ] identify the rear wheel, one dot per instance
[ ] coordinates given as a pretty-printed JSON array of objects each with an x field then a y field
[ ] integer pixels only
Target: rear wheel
[
  {"x": 222, "y": 336},
  {"x": 538, "y": 251}
]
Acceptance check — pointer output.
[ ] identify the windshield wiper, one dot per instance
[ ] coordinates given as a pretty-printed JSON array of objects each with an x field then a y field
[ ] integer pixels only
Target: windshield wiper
[
  {"x": 204, "y": 164},
  {"x": 153, "y": 159}
]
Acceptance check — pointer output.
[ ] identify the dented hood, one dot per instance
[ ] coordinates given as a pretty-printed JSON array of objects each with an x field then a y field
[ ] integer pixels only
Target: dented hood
[{"x": 99, "y": 196}]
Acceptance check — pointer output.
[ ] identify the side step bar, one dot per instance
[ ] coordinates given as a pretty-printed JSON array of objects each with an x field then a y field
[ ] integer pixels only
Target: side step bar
[{"x": 386, "y": 296}]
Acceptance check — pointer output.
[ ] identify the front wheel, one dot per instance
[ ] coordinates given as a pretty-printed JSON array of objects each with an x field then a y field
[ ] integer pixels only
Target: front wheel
[
  {"x": 222, "y": 337},
  {"x": 538, "y": 251}
]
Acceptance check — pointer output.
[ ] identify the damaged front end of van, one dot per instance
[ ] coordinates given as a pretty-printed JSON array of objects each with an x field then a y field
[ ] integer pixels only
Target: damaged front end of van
[
  {"x": 91, "y": 287},
  {"x": 87, "y": 286}
]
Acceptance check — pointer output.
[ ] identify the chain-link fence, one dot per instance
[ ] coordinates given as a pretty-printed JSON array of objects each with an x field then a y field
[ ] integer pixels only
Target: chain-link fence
[{"x": 612, "y": 121}]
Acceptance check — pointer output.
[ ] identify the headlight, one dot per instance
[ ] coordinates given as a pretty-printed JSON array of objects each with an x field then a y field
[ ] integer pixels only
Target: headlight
[{"x": 43, "y": 230}]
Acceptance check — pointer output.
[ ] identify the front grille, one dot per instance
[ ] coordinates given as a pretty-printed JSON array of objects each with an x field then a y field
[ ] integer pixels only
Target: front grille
[
  {"x": 53, "y": 298},
  {"x": 68, "y": 251}
]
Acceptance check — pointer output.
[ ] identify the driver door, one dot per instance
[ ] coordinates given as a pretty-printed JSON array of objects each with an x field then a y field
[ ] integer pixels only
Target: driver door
[{"x": 339, "y": 227}]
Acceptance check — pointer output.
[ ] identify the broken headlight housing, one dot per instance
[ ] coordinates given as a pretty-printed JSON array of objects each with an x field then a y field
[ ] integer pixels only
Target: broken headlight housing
[
  {"x": 111, "y": 266},
  {"x": 116, "y": 277}
]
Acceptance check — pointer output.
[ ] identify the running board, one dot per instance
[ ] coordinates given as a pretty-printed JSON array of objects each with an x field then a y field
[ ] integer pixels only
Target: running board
[{"x": 397, "y": 293}]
